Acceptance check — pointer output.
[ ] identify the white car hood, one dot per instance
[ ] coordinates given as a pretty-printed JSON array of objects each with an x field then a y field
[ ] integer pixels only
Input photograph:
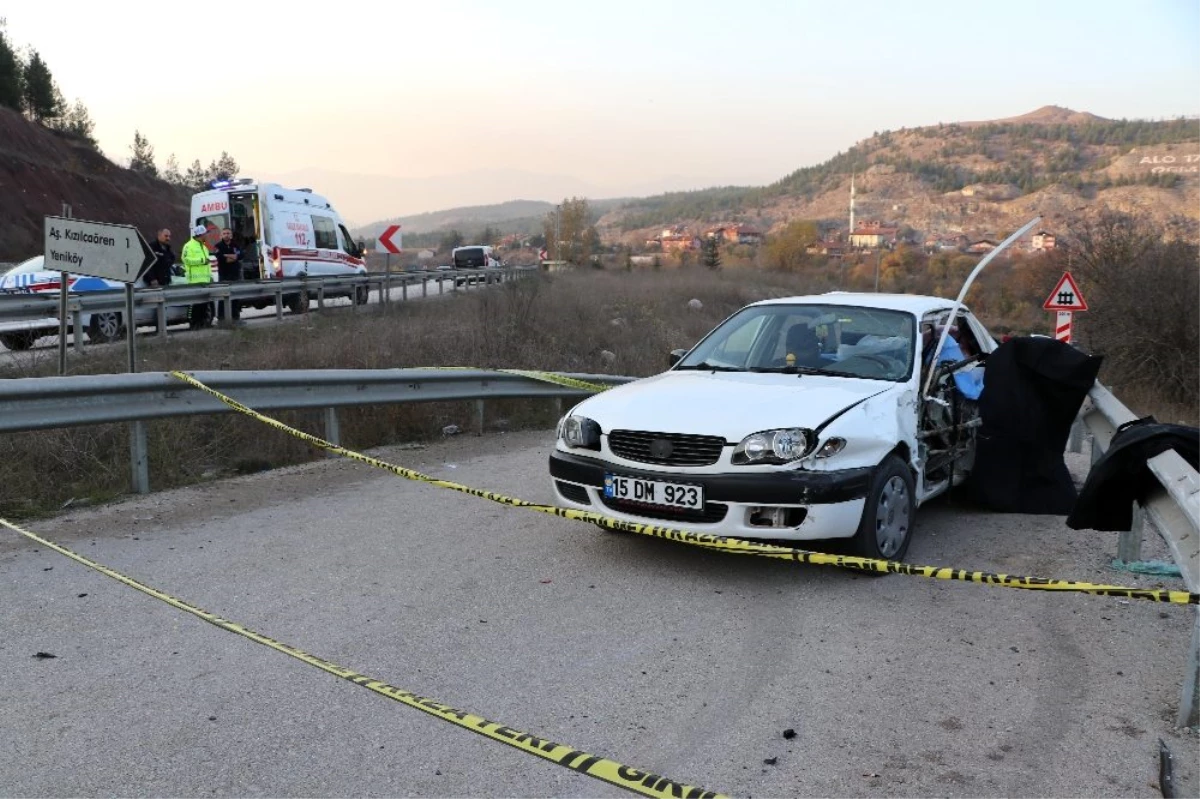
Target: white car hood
[{"x": 727, "y": 404}]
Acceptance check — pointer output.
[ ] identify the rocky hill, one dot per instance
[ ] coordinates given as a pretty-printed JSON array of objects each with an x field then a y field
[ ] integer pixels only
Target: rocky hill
[
  {"x": 41, "y": 170},
  {"x": 981, "y": 179}
]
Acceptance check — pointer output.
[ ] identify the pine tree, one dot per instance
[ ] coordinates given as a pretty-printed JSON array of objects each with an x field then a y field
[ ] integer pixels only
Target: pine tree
[
  {"x": 41, "y": 99},
  {"x": 142, "y": 161},
  {"x": 224, "y": 168},
  {"x": 710, "y": 253},
  {"x": 78, "y": 122},
  {"x": 10, "y": 74},
  {"x": 171, "y": 172},
  {"x": 196, "y": 178}
]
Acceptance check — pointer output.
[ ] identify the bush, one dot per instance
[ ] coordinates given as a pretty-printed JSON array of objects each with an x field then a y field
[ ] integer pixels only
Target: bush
[{"x": 1143, "y": 317}]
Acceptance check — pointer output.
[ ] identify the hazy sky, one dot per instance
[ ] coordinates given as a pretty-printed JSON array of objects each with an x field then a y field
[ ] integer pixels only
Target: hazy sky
[{"x": 622, "y": 96}]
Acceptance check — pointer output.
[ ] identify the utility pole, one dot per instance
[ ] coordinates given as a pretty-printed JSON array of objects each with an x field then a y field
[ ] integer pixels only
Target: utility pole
[{"x": 557, "y": 232}]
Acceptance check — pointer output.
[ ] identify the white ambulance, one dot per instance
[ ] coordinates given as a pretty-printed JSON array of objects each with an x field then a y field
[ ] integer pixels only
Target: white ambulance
[{"x": 281, "y": 233}]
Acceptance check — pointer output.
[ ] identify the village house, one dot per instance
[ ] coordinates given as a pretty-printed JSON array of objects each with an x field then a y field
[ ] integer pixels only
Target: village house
[
  {"x": 936, "y": 242},
  {"x": 735, "y": 234},
  {"x": 872, "y": 235},
  {"x": 980, "y": 247},
  {"x": 830, "y": 248},
  {"x": 1042, "y": 241}
]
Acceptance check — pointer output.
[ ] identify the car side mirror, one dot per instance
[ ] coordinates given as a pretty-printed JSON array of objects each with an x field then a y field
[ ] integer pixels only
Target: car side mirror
[{"x": 675, "y": 356}]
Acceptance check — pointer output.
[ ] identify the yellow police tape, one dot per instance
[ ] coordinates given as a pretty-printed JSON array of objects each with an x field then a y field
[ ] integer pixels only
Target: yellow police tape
[
  {"x": 534, "y": 374},
  {"x": 610, "y": 771},
  {"x": 723, "y": 543}
]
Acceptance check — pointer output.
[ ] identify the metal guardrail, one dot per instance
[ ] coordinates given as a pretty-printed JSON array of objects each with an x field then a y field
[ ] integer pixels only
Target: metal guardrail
[
  {"x": 43, "y": 403},
  {"x": 30, "y": 307},
  {"x": 1173, "y": 508}
]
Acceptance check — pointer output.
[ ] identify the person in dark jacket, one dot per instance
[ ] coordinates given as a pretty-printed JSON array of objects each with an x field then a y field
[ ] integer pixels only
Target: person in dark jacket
[
  {"x": 159, "y": 273},
  {"x": 229, "y": 269}
]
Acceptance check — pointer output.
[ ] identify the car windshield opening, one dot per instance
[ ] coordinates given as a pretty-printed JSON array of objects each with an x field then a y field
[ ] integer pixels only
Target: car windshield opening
[{"x": 816, "y": 339}]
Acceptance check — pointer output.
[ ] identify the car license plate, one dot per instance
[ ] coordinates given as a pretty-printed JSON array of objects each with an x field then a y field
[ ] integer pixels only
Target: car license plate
[{"x": 654, "y": 492}]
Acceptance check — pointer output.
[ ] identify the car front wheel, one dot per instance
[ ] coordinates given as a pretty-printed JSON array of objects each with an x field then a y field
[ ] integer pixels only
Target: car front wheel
[
  {"x": 105, "y": 327},
  {"x": 886, "y": 527}
]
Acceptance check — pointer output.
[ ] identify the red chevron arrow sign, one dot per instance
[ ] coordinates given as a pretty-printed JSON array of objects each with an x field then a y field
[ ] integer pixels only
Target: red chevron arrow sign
[{"x": 390, "y": 240}]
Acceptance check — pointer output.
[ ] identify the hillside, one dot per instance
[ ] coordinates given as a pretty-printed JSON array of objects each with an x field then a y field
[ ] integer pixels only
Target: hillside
[
  {"x": 975, "y": 178},
  {"x": 515, "y": 216},
  {"x": 40, "y": 170},
  {"x": 509, "y": 214}
]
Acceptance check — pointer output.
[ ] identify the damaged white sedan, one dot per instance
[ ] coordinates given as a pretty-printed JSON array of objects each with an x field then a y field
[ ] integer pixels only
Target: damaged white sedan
[{"x": 795, "y": 419}]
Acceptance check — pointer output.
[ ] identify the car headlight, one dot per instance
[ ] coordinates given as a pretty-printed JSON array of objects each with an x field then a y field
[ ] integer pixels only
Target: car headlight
[
  {"x": 773, "y": 446},
  {"x": 580, "y": 431}
]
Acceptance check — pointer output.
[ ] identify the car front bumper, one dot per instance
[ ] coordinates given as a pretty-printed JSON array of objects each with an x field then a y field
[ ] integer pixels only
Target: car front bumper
[{"x": 823, "y": 504}]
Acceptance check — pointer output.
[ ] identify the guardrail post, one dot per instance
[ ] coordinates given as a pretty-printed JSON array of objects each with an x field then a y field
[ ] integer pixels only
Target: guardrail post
[
  {"x": 424, "y": 287},
  {"x": 479, "y": 415},
  {"x": 333, "y": 433},
  {"x": 1129, "y": 543},
  {"x": 1189, "y": 704},
  {"x": 278, "y": 304},
  {"x": 138, "y": 457},
  {"x": 77, "y": 329},
  {"x": 161, "y": 314},
  {"x": 321, "y": 295},
  {"x": 558, "y": 409},
  {"x": 404, "y": 291},
  {"x": 1075, "y": 442}
]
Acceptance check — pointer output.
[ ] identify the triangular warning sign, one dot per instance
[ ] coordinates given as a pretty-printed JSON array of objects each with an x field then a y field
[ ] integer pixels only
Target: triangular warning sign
[{"x": 1066, "y": 296}]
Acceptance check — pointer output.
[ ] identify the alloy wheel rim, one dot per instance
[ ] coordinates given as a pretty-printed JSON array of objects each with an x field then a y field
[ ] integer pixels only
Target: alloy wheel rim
[{"x": 892, "y": 516}]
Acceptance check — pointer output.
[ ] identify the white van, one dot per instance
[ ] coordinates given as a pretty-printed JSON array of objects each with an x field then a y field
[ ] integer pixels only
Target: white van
[
  {"x": 282, "y": 233},
  {"x": 475, "y": 256}
]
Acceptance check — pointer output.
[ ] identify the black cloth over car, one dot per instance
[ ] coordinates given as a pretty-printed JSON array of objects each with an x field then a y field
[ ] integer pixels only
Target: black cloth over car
[
  {"x": 1122, "y": 476},
  {"x": 1032, "y": 392}
]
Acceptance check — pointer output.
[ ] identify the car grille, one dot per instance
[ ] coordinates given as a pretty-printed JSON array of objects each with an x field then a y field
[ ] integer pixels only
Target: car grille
[
  {"x": 684, "y": 450},
  {"x": 575, "y": 493},
  {"x": 713, "y": 511}
]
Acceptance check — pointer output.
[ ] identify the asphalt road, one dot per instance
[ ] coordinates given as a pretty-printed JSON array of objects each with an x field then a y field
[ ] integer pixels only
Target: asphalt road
[{"x": 667, "y": 658}]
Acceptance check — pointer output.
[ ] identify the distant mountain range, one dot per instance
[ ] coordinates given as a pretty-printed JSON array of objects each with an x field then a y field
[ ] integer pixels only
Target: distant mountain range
[
  {"x": 1054, "y": 160},
  {"x": 977, "y": 178},
  {"x": 358, "y": 196}
]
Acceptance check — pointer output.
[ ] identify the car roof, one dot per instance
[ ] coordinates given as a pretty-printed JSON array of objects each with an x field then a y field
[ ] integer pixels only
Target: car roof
[
  {"x": 910, "y": 303},
  {"x": 34, "y": 264}
]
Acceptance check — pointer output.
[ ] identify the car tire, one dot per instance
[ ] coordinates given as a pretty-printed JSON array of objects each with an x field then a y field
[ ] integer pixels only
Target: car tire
[
  {"x": 20, "y": 341},
  {"x": 297, "y": 303},
  {"x": 887, "y": 521},
  {"x": 104, "y": 328},
  {"x": 362, "y": 295}
]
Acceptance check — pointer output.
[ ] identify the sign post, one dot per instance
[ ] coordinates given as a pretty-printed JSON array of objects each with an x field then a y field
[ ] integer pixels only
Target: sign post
[
  {"x": 1065, "y": 299},
  {"x": 387, "y": 245},
  {"x": 97, "y": 249},
  {"x": 113, "y": 252}
]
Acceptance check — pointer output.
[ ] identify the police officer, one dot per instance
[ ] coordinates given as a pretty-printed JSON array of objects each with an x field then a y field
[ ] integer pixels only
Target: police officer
[
  {"x": 229, "y": 269},
  {"x": 195, "y": 265}
]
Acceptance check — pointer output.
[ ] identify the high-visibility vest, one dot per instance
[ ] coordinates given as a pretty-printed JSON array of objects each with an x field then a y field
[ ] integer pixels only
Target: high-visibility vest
[{"x": 195, "y": 262}]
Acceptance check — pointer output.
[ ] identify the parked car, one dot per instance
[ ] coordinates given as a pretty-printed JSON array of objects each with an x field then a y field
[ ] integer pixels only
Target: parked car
[
  {"x": 795, "y": 419},
  {"x": 30, "y": 277}
]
